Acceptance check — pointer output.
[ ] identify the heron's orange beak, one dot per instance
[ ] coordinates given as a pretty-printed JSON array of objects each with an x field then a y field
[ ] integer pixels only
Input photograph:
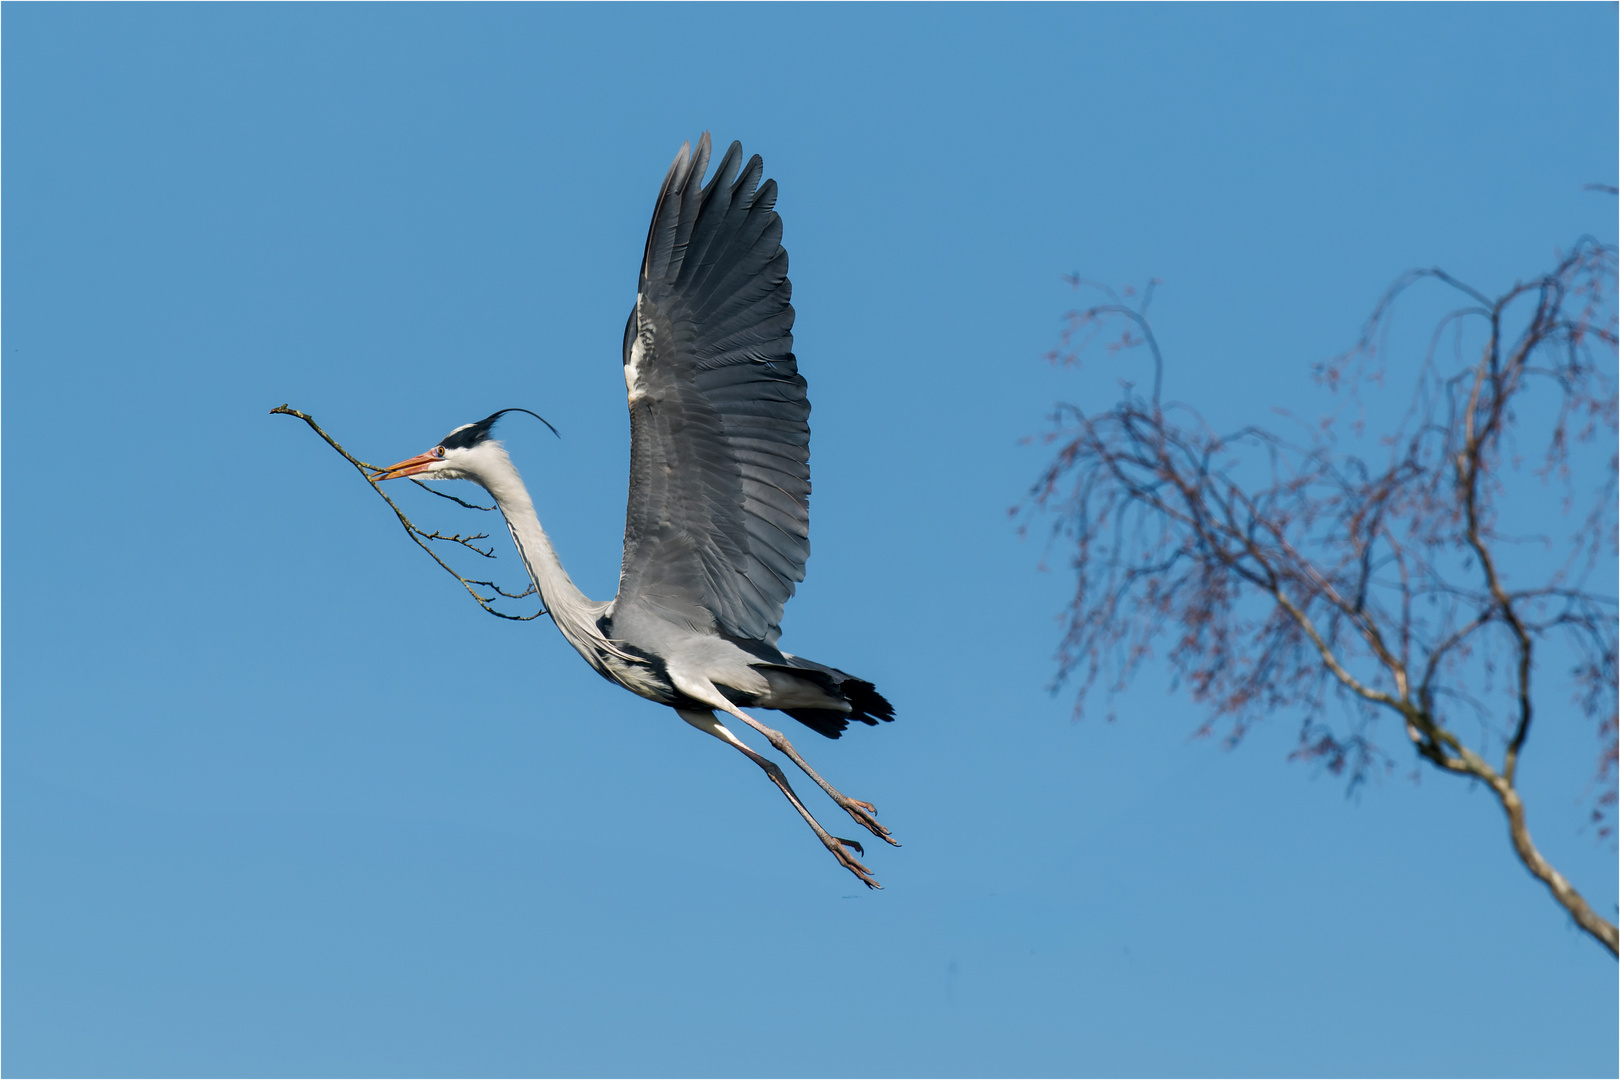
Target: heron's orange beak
[{"x": 408, "y": 467}]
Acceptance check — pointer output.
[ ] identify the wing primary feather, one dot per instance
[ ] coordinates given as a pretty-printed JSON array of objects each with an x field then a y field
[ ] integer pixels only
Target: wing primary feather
[
  {"x": 716, "y": 530},
  {"x": 661, "y": 236}
]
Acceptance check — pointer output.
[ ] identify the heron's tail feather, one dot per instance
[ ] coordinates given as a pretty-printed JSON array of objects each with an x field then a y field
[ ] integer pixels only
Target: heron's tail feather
[
  {"x": 865, "y": 703},
  {"x": 828, "y": 722}
]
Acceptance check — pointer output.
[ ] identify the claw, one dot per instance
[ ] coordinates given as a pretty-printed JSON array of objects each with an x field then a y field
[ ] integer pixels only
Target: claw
[
  {"x": 855, "y": 867},
  {"x": 863, "y": 813},
  {"x": 852, "y": 844}
]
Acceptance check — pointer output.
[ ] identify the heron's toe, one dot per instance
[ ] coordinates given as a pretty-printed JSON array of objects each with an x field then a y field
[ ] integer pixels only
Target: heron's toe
[{"x": 864, "y": 813}]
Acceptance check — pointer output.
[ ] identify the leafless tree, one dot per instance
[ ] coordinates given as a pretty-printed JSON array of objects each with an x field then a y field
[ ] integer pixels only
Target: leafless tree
[{"x": 1346, "y": 575}]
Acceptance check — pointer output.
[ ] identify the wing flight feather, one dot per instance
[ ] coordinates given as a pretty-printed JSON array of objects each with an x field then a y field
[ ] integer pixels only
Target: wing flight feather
[{"x": 717, "y": 527}]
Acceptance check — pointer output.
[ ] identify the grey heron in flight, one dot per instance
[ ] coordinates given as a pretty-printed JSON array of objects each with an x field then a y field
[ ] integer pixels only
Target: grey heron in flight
[{"x": 717, "y": 529}]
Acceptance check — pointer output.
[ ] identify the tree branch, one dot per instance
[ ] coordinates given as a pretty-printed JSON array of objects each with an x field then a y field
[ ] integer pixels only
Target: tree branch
[
  {"x": 1290, "y": 576},
  {"x": 417, "y": 535}
]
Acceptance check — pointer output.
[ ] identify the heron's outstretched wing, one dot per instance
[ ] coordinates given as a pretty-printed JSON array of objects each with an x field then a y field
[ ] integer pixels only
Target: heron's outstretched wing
[{"x": 718, "y": 521}]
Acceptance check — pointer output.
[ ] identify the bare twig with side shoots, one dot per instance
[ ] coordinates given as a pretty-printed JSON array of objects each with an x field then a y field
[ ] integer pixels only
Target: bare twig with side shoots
[
  {"x": 1307, "y": 575},
  {"x": 421, "y": 537}
]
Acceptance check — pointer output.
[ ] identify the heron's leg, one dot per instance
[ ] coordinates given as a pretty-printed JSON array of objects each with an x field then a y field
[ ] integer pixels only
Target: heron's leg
[
  {"x": 863, "y": 812},
  {"x": 704, "y": 720}
]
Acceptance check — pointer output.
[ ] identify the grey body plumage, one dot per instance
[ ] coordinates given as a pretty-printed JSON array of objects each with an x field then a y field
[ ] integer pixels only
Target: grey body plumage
[{"x": 717, "y": 521}]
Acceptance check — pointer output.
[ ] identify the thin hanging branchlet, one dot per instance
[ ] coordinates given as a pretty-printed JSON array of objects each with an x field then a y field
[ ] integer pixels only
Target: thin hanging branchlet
[
  {"x": 421, "y": 537},
  {"x": 1292, "y": 575}
]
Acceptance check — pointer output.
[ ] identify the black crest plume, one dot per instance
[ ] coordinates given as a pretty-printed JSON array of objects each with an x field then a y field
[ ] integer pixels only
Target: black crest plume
[{"x": 469, "y": 435}]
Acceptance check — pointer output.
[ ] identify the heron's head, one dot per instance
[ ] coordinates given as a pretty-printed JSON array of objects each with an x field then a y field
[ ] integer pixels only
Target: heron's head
[{"x": 467, "y": 453}]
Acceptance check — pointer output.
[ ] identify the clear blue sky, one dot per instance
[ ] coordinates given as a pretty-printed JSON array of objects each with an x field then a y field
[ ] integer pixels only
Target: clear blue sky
[{"x": 279, "y": 800}]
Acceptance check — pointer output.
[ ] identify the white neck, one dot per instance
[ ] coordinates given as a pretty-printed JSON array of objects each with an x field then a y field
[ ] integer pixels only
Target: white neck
[{"x": 574, "y": 613}]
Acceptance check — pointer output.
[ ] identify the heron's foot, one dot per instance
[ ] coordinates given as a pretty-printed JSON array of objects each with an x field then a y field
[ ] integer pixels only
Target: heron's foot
[
  {"x": 836, "y": 845},
  {"x": 866, "y": 814}
]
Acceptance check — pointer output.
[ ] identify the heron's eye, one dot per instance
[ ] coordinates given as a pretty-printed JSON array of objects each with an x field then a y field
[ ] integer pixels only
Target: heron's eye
[{"x": 439, "y": 450}]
